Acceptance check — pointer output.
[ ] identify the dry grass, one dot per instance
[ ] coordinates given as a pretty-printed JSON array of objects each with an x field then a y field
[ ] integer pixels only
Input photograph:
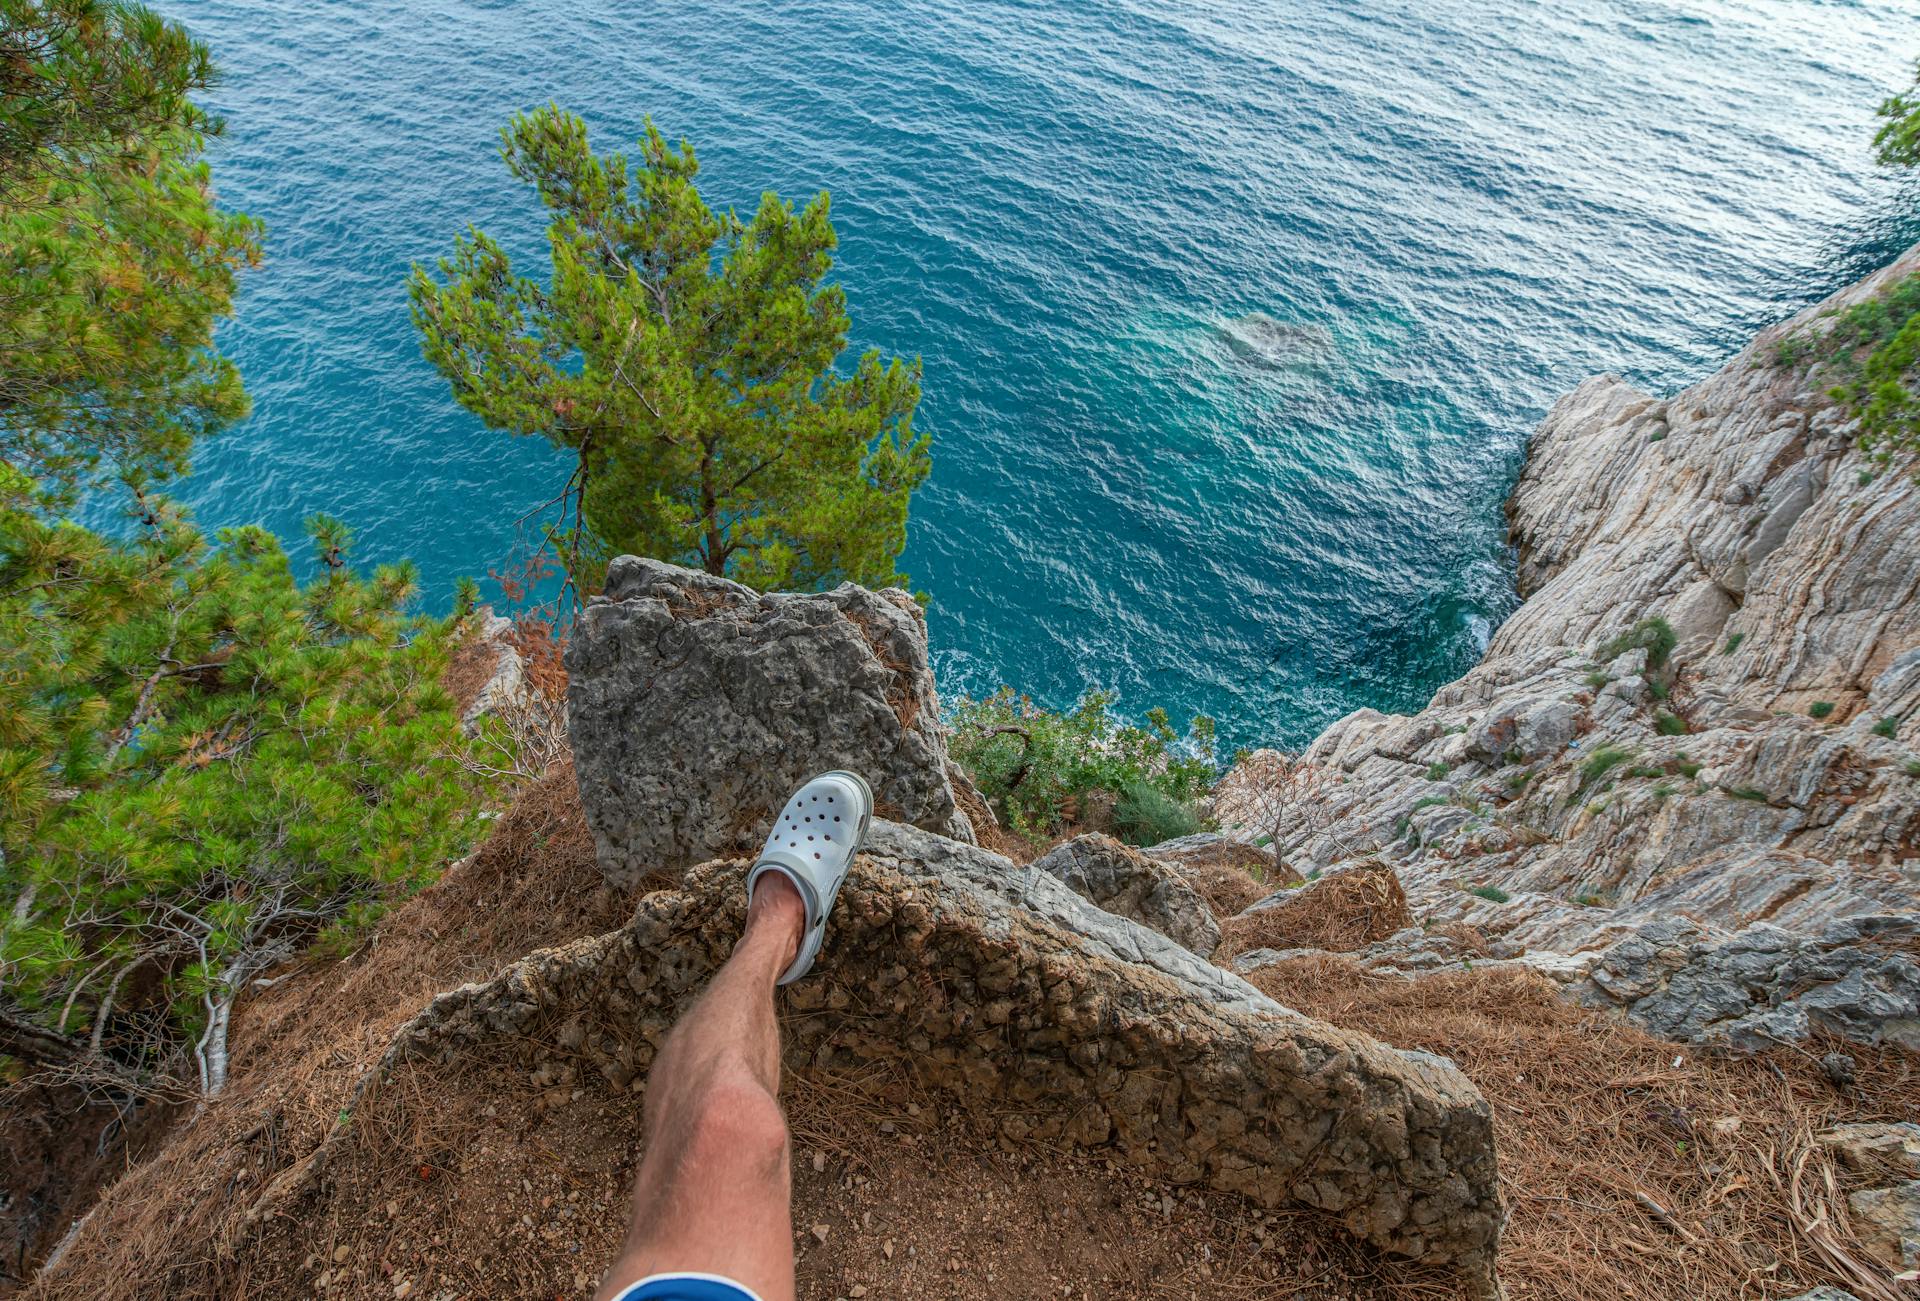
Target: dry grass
[
  {"x": 1634, "y": 1168},
  {"x": 1347, "y": 910}
]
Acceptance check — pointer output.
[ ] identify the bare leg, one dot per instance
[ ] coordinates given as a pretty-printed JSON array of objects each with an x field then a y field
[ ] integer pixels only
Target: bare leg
[{"x": 714, "y": 1191}]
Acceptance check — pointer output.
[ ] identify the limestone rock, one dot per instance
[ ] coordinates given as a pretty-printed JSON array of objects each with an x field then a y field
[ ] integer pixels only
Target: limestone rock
[
  {"x": 1765, "y": 985},
  {"x": 998, "y": 984},
  {"x": 1887, "y": 1221},
  {"x": 506, "y": 689},
  {"x": 1868, "y": 1148},
  {"x": 1825, "y": 1294},
  {"x": 1608, "y": 794},
  {"x": 696, "y": 705},
  {"x": 1121, "y": 880}
]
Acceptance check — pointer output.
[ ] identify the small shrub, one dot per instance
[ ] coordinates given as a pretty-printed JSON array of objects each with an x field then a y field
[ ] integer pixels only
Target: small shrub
[
  {"x": 1663, "y": 792},
  {"x": 1886, "y": 727},
  {"x": 1491, "y": 893},
  {"x": 1646, "y": 770},
  {"x": 1733, "y": 643},
  {"x": 1657, "y": 689},
  {"x": 1658, "y": 435},
  {"x": 1519, "y": 779},
  {"x": 1873, "y": 351},
  {"x": 1654, "y": 636},
  {"x": 1748, "y": 793},
  {"x": 1685, "y": 767},
  {"x": 1436, "y": 772},
  {"x": 1039, "y": 765},
  {"x": 1601, "y": 762},
  {"x": 1913, "y": 767},
  {"x": 1429, "y": 802},
  {"x": 1146, "y": 815},
  {"x": 1588, "y": 900},
  {"x": 1597, "y": 679},
  {"x": 1669, "y": 724},
  {"x": 1864, "y": 478},
  {"x": 1820, "y": 709}
]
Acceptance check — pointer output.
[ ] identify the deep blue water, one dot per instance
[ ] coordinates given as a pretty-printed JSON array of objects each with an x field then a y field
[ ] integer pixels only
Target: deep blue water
[{"x": 1454, "y": 210}]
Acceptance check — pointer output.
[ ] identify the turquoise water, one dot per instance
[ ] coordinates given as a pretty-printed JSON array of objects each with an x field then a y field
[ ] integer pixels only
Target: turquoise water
[{"x": 1236, "y": 316}]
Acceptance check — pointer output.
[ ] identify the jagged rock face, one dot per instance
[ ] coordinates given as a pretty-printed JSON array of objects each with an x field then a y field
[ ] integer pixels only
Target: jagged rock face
[
  {"x": 1064, "y": 1022},
  {"x": 1123, "y": 881},
  {"x": 1765, "y": 985},
  {"x": 695, "y": 706},
  {"x": 1602, "y": 792}
]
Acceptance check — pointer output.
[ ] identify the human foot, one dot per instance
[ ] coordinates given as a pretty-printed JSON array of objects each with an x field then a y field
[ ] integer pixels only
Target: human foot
[{"x": 812, "y": 846}]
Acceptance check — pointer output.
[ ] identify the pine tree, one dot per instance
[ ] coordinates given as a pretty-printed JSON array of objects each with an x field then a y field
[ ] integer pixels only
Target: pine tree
[
  {"x": 115, "y": 263},
  {"x": 687, "y": 359}
]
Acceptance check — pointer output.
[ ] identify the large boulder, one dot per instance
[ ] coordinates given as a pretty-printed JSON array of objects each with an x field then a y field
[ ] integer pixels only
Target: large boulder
[
  {"x": 1123, "y": 881},
  {"x": 696, "y": 705},
  {"x": 1026, "y": 1004}
]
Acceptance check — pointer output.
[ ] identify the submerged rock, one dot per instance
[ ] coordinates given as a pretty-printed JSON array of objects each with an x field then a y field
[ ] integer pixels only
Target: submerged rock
[
  {"x": 1267, "y": 341},
  {"x": 696, "y": 705}
]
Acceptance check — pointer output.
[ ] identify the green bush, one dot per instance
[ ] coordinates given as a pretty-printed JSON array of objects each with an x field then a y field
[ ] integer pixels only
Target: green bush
[
  {"x": 1886, "y": 727},
  {"x": 227, "y": 768},
  {"x": 1042, "y": 768},
  {"x": 1685, "y": 767},
  {"x": 1871, "y": 350},
  {"x": 1436, "y": 772},
  {"x": 1733, "y": 643},
  {"x": 1658, "y": 690},
  {"x": 1820, "y": 709},
  {"x": 1492, "y": 893},
  {"x": 1668, "y": 724},
  {"x": 1654, "y": 636},
  {"x": 1748, "y": 793},
  {"x": 1145, "y": 815},
  {"x": 1597, "y": 679},
  {"x": 1602, "y": 761}
]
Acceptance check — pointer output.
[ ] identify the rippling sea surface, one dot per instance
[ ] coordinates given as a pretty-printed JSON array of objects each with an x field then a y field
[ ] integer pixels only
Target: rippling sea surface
[{"x": 1236, "y": 316}]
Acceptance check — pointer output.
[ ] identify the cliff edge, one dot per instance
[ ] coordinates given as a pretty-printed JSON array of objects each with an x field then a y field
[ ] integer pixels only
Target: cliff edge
[{"x": 1682, "y": 780}]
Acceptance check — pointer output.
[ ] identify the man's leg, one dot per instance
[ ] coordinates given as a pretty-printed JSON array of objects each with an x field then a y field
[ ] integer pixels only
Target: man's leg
[{"x": 714, "y": 1189}]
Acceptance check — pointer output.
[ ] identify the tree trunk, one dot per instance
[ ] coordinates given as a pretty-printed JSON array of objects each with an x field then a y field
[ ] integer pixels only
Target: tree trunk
[{"x": 715, "y": 545}]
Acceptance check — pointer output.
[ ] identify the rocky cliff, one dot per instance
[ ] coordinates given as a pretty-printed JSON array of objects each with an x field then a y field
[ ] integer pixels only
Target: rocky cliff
[{"x": 1718, "y": 832}]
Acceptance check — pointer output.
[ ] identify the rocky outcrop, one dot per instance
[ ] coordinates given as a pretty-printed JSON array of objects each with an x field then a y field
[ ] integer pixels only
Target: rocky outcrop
[
  {"x": 1764, "y": 984},
  {"x": 1121, "y": 880},
  {"x": 1753, "y": 779},
  {"x": 696, "y": 705},
  {"x": 1002, "y": 987}
]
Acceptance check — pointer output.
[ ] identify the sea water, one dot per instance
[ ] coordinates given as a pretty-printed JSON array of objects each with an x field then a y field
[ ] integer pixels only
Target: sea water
[{"x": 1235, "y": 316}]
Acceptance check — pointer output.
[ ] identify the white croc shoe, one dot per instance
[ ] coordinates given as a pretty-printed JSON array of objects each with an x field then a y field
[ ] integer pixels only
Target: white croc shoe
[{"x": 813, "y": 844}]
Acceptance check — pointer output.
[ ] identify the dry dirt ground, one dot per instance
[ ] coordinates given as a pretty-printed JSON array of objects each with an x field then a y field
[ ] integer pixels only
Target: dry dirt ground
[{"x": 1633, "y": 1168}]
